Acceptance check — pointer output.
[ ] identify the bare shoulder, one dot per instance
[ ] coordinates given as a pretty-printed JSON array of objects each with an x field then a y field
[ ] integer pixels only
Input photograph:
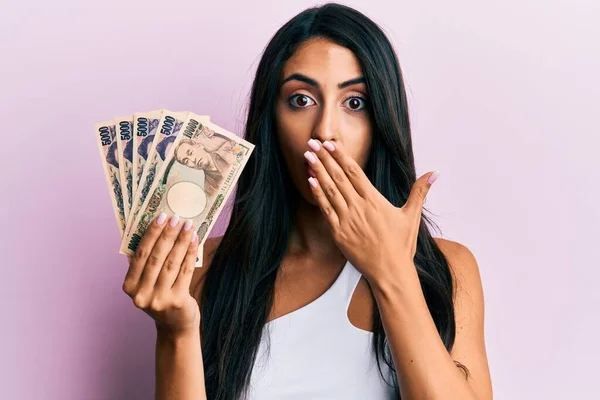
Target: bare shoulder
[
  {"x": 210, "y": 247},
  {"x": 453, "y": 249},
  {"x": 468, "y": 290},
  {"x": 463, "y": 265}
]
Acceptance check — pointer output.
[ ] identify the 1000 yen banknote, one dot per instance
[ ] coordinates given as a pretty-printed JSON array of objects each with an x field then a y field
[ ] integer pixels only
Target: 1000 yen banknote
[
  {"x": 144, "y": 129},
  {"x": 194, "y": 181},
  {"x": 109, "y": 155},
  {"x": 124, "y": 127}
]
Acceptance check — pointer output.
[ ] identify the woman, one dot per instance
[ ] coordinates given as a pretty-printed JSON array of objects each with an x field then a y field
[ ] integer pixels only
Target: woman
[{"x": 327, "y": 282}]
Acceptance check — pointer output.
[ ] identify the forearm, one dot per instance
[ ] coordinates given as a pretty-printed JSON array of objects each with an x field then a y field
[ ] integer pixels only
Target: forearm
[
  {"x": 179, "y": 367},
  {"x": 424, "y": 367}
]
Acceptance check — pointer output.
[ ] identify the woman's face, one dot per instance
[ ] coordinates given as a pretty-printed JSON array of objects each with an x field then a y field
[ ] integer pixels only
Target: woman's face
[{"x": 323, "y": 96}]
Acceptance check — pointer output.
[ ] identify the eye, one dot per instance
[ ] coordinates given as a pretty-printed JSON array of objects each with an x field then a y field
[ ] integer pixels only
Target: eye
[
  {"x": 355, "y": 103},
  {"x": 301, "y": 101}
]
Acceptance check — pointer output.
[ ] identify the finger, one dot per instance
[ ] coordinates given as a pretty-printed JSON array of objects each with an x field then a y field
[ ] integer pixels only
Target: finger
[
  {"x": 353, "y": 171},
  {"x": 172, "y": 264},
  {"x": 419, "y": 191},
  {"x": 335, "y": 171},
  {"x": 184, "y": 277},
  {"x": 326, "y": 184},
  {"x": 138, "y": 261},
  {"x": 323, "y": 203},
  {"x": 159, "y": 253}
]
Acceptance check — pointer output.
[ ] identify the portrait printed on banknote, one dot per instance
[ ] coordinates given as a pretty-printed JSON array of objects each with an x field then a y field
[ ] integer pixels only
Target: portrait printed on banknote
[{"x": 204, "y": 160}]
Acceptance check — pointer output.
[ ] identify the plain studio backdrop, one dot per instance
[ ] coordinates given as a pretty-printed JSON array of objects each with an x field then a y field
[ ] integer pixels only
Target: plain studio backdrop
[{"x": 504, "y": 100}]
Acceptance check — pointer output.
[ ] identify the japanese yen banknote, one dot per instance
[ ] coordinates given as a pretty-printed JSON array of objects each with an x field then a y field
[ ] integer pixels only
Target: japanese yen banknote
[{"x": 173, "y": 162}]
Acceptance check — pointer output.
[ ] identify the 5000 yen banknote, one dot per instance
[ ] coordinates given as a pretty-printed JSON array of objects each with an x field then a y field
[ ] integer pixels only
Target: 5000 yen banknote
[
  {"x": 109, "y": 155},
  {"x": 144, "y": 129},
  {"x": 124, "y": 127},
  {"x": 194, "y": 181}
]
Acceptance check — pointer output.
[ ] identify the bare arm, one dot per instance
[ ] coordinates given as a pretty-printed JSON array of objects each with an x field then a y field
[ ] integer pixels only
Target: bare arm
[
  {"x": 179, "y": 366},
  {"x": 424, "y": 367}
]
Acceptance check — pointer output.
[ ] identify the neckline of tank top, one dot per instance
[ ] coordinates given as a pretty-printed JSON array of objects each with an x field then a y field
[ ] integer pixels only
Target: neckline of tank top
[
  {"x": 345, "y": 270},
  {"x": 329, "y": 289}
]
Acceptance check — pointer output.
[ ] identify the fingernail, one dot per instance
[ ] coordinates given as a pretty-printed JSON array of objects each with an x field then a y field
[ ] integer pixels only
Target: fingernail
[
  {"x": 328, "y": 145},
  {"x": 433, "y": 177},
  {"x": 174, "y": 220},
  {"x": 313, "y": 182},
  {"x": 194, "y": 236},
  {"x": 187, "y": 225},
  {"x": 314, "y": 145},
  {"x": 310, "y": 157},
  {"x": 161, "y": 219}
]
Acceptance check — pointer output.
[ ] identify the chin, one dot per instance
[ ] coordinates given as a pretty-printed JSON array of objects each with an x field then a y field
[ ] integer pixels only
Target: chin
[
  {"x": 308, "y": 196},
  {"x": 306, "y": 193},
  {"x": 303, "y": 190}
]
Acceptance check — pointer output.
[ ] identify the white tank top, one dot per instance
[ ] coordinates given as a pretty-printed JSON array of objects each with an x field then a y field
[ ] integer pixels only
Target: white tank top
[{"x": 316, "y": 353}]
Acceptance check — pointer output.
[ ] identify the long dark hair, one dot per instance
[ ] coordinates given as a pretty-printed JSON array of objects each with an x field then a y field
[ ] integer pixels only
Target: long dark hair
[{"x": 238, "y": 294}]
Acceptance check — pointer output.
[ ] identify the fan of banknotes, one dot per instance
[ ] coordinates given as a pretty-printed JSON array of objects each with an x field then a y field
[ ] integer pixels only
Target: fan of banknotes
[{"x": 173, "y": 162}]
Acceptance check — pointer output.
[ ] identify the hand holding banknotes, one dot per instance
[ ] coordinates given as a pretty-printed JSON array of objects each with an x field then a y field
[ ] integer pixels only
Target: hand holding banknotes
[
  {"x": 160, "y": 272},
  {"x": 168, "y": 174},
  {"x": 172, "y": 162}
]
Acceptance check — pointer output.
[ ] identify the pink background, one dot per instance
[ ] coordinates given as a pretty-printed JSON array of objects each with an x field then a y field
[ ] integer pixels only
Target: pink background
[{"x": 504, "y": 100}]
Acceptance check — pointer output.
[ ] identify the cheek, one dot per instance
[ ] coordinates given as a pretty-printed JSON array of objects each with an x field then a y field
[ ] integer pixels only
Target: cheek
[
  {"x": 357, "y": 138},
  {"x": 293, "y": 129}
]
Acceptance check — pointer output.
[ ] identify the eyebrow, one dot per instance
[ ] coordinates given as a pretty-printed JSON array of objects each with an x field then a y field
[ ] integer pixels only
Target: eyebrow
[{"x": 314, "y": 83}]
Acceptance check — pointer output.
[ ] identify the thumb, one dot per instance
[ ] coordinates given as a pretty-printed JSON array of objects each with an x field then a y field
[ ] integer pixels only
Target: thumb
[{"x": 419, "y": 191}]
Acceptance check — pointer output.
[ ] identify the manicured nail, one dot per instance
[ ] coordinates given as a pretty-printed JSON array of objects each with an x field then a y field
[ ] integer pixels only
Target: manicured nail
[
  {"x": 433, "y": 177},
  {"x": 194, "y": 236},
  {"x": 174, "y": 220},
  {"x": 161, "y": 219},
  {"x": 328, "y": 145},
  {"x": 187, "y": 225},
  {"x": 313, "y": 182},
  {"x": 314, "y": 145},
  {"x": 310, "y": 157}
]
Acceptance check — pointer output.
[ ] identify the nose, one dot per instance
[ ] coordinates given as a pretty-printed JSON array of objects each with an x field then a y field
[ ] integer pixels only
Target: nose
[{"x": 327, "y": 124}]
